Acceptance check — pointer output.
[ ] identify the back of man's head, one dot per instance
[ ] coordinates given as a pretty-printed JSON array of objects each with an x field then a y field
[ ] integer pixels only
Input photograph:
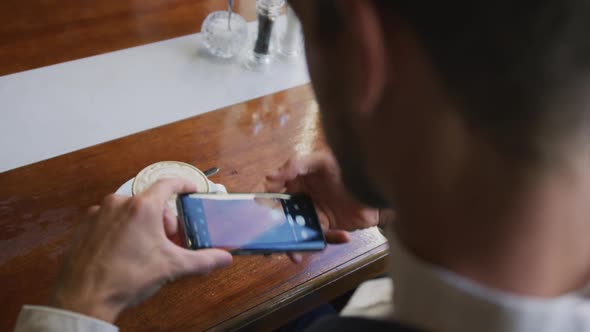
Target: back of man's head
[
  {"x": 519, "y": 69},
  {"x": 446, "y": 109}
]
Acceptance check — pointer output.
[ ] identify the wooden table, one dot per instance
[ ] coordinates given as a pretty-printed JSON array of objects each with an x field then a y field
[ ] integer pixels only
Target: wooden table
[
  {"x": 37, "y": 33},
  {"x": 41, "y": 204}
]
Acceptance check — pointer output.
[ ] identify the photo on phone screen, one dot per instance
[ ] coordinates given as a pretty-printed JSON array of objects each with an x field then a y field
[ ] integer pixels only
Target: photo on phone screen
[{"x": 250, "y": 223}]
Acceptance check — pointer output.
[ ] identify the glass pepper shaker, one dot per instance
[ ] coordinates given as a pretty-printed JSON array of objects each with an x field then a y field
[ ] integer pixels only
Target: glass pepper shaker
[{"x": 268, "y": 11}]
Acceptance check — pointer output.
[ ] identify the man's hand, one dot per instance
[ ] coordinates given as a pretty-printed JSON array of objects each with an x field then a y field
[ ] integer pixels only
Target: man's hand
[
  {"x": 318, "y": 175},
  {"x": 124, "y": 254}
]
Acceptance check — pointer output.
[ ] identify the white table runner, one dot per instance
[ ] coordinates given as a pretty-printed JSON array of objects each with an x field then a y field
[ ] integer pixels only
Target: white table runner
[{"x": 53, "y": 110}]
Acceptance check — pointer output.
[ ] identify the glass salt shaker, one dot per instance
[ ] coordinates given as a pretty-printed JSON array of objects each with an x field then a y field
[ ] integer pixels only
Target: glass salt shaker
[{"x": 224, "y": 33}]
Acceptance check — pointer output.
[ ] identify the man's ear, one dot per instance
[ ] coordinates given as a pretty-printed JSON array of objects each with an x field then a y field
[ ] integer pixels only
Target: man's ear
[{"x": 366, "y": 30}]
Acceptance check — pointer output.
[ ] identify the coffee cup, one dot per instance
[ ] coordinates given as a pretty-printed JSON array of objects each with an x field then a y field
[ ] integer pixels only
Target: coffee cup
[{"x": 173, "y": 169}]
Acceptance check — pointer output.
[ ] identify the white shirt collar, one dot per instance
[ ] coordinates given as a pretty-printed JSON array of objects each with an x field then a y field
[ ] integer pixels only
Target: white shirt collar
[{"x": 431, "y": 298}]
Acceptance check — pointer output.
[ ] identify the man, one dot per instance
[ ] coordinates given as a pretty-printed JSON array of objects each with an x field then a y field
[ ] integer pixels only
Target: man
[{"x": 470, "y": 117}]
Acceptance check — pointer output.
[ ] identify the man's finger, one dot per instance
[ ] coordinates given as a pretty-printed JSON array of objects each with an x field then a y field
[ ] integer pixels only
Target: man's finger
[
  {"x": 309, "y": 164},
  {"x": 288, "y": 171},
  {"x": 162, "y": 190},
  {"x": 334, "y": 236},
  {"x": 295, "y": 257},
  {"x": 113, "y": 200},
  {"x": 93, "y": 210},
  {"x": 170, "y": 222},
  {"x": 191, "y": 262},
  {"x": 274, "y": 186}
]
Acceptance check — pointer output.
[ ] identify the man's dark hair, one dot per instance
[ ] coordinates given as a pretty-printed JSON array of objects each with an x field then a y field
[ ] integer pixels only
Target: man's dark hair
[{"x": 515, "y": 66}]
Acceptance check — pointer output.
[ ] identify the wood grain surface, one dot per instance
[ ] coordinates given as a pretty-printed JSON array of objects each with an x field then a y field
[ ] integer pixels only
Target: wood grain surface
[
  {"x": 41, "y": 204},
  {"x": 36, "y": 33}
]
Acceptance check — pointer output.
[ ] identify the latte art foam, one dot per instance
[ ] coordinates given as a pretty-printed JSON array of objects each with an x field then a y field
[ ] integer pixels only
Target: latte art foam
[{"x": 169, "y": 170}]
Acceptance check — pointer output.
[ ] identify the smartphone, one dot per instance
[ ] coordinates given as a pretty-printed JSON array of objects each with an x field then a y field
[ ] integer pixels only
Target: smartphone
[{"x": 250, "y": 223}]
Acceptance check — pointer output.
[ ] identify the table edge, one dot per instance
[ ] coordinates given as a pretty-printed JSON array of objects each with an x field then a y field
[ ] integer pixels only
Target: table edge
[{"x": 310, "y": 287}]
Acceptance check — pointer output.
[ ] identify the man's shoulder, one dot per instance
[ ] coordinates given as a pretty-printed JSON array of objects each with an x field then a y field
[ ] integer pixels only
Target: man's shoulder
[{"x": 343, "y": 324}]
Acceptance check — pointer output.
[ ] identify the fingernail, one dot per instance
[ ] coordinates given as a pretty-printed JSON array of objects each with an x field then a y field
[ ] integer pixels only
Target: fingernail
[{"x": 226, "y": 259}]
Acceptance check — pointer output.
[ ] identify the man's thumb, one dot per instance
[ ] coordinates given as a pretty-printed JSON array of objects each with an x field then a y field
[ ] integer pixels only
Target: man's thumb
[{"x": 196, "y": 262}]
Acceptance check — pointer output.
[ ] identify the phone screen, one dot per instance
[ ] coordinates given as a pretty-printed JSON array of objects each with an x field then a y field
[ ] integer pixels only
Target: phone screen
[{"x": 263, "y": 222}]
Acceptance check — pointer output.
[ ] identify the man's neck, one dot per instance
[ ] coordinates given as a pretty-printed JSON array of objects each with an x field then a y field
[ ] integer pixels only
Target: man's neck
[{"x": 515, "y": 231}]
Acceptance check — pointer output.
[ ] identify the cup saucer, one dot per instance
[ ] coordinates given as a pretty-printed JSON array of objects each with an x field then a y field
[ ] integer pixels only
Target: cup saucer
[{"x": 126, "y": 188}]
